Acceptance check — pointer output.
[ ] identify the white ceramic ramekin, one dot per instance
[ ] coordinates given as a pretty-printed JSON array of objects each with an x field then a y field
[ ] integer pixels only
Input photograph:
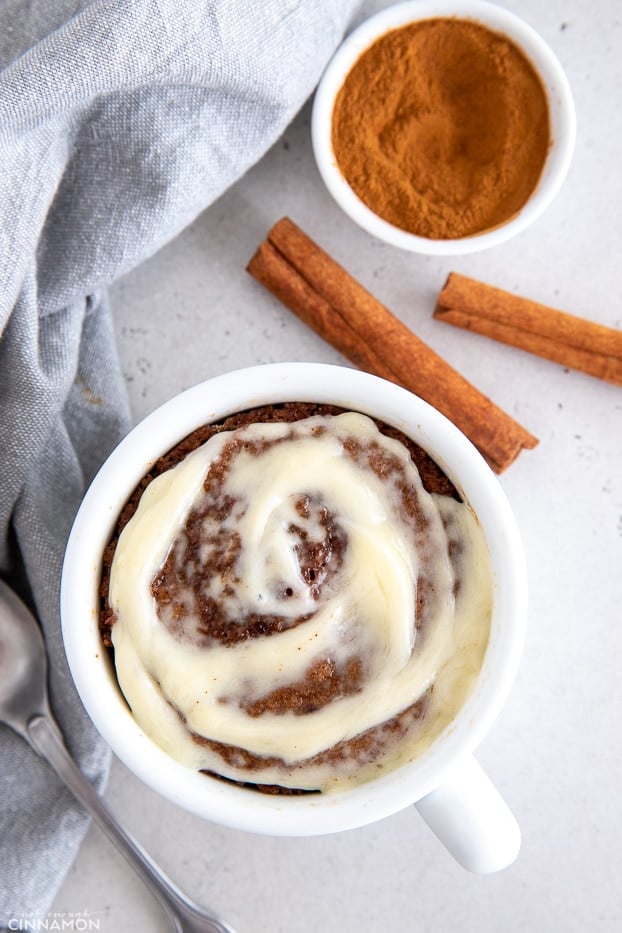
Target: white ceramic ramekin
[
  {"x": 498, "y": 19},
  {"x": 450, "y": 789}
]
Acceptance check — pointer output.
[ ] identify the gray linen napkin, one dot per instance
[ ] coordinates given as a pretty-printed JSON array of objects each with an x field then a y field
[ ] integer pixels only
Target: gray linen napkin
[{"x": 120, "y": 120}]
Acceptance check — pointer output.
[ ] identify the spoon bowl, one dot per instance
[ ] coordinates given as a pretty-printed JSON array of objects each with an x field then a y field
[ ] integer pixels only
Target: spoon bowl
[{"x": 23, "y": 663}]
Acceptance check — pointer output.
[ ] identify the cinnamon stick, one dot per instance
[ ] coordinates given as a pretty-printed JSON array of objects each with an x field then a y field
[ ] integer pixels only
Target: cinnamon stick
[
  {"x": 520, "y": 322},
  {"x": 320, "y": 291}
]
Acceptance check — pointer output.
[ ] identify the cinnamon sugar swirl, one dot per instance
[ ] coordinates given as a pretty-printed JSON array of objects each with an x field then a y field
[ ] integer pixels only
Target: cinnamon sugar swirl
[{"x": 298, "y": 601}]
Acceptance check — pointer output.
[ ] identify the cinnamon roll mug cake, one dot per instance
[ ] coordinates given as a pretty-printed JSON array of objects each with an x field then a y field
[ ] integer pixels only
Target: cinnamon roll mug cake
[{"x": 293, "y": 602}]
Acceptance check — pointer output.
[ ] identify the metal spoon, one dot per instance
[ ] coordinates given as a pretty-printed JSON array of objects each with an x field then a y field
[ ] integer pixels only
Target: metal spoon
[{"x": 24, "y": 706}]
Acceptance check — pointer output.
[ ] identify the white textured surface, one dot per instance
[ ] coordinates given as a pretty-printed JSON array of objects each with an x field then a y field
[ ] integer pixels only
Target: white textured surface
[{"x": 556, "y": 751}]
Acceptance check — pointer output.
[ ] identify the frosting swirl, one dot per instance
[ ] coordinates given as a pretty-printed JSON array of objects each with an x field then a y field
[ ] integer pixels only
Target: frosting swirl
[{"x": 292, "y": 607}]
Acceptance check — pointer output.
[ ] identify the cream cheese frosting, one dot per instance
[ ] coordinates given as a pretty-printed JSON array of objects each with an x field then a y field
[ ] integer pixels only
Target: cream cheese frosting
[{"x": 181, "y": 685}]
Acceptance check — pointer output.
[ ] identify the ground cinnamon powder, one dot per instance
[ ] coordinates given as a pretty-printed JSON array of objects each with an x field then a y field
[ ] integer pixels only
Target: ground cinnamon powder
[{"x": 442, "y": 128}]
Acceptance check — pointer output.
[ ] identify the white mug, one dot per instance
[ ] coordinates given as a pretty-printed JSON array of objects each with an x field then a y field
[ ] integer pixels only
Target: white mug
[{"x": 450, "y": 790}]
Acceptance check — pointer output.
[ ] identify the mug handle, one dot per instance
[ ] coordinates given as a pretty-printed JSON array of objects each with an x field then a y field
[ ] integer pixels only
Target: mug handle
[{"x": 470, "y": 817}]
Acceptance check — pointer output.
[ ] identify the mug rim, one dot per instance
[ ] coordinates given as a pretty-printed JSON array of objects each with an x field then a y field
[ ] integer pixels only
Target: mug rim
[
  {"x": 93, "y": 672},
  {"x": 546, "y": 64}
]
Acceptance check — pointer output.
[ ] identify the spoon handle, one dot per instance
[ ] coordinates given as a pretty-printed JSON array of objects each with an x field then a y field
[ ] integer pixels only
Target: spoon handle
[{"x": 184, "y": 916}]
